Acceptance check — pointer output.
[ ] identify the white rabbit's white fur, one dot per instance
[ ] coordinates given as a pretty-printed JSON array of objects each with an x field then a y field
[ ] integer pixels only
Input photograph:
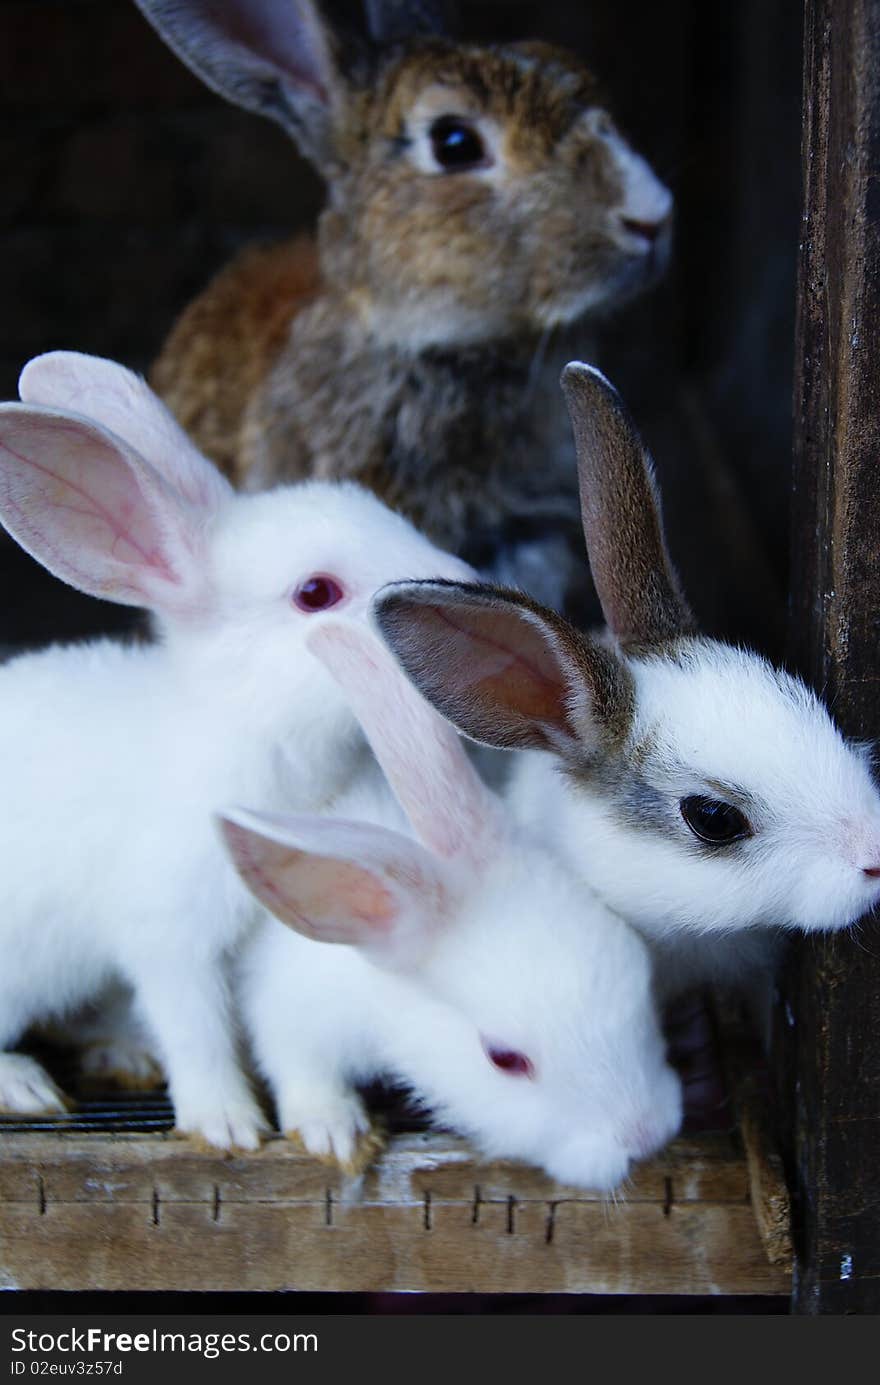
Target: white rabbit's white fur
[
  {"x": 644, "y": 718},
  {"x": 721, "y": 722},
  {"x": 463, "y": 935},
  {"x": 116, "y": 756}
]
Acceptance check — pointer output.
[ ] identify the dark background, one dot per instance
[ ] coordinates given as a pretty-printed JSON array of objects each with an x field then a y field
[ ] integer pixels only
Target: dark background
[{"x": 126, "y": 184}]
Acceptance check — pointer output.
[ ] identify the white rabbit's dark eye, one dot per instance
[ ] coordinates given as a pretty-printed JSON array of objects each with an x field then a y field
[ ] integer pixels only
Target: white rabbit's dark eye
[
  {"x": 456, "y": 145},
  {"x": 713, "y": 820},
  {"x": 509, "y": 1060},
  {"x": 318, "y": 593}
]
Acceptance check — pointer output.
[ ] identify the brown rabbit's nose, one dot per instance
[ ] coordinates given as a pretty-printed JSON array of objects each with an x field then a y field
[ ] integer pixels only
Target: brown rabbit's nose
[{"x": 649, "y": 230}]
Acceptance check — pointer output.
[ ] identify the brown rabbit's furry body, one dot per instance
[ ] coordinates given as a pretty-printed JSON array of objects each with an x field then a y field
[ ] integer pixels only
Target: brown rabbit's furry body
[
  {"x": 405, "y": 349},
  {"x": 224, "y": 346},
  {"x": 253, "y": 372}
]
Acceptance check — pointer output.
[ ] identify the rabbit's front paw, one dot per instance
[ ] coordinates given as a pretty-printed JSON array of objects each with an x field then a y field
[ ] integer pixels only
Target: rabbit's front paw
[
  {"x": 26, "y": 1087},
  {"x": 236, "y": 1124},
  {"x": 119, "y": 1063},
  {"x": 333, "y": 1126}
]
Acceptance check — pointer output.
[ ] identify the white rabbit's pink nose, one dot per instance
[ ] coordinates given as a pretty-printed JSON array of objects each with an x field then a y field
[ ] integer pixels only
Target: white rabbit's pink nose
[{"x": 872, "y": 872}]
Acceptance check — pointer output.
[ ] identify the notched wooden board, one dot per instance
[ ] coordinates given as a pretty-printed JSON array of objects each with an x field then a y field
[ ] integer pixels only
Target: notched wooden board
[{"x": 128, "y": 1212}]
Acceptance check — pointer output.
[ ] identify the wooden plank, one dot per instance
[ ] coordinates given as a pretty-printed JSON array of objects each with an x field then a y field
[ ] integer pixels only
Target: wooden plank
[
  {"x": 831, "y": 993},
  {"x": 747, "y": 1080},
  {"x": 535, "y": 1248},
  {"x": 40, "y": 1170},
  {"x": 129, "y": 1212}
]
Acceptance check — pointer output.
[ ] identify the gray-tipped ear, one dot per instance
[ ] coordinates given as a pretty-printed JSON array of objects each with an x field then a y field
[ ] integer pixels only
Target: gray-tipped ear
[
  {"x": 274, "y": 57},
  {"x": 504, "y": 670},
  {"x": 637, "y": 585},
  {"x": 392, "y": 21}
]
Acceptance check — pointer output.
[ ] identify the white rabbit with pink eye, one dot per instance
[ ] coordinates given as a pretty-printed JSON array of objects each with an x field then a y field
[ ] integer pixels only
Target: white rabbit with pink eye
[
  {"x": 448, "y": 949},
  {"x": 115, "y": 755},
  {"x": 706, "y": 796}
]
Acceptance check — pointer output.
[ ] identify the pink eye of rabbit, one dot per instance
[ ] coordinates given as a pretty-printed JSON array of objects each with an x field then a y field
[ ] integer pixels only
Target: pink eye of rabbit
[
  {"x": 713, "y": 820},
  {"x": 318, "y": 593},
  {"x": 456, "y": 145},
  {"x": 509, "y": 1060}
]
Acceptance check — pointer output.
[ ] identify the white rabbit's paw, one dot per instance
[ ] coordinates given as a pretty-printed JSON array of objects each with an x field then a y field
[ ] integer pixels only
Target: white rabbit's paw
[
  {"x": 332, "y": 1126},
  {"x": 27, "y": 1088},
  {"x": 119, "y": 1063},
  {"x": 235, "y": 1124}
]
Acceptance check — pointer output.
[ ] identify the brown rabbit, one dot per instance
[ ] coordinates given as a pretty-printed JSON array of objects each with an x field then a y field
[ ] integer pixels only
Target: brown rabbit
[{"x": 478, "y": 198}]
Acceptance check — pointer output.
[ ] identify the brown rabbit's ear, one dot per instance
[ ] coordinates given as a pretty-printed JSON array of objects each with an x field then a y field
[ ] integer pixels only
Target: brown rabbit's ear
[
  {"x": 274, "y": 57},
  {"x": 391, "y": 21},
  {"x": 504, "y": 670},
  {"x": 638, "y": 587}
]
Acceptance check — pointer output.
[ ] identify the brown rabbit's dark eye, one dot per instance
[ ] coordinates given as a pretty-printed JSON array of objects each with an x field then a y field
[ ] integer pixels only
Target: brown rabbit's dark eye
[
  {"x": 510, "y": 1060},
  {"x": 318, "y": 593},
  {"x": 456, "y": 145},
  {"x": 713, "y": 820}
]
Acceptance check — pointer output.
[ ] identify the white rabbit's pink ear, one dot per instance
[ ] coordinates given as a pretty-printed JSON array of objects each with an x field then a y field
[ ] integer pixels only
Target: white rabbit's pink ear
[
  {"x": 118, "y": 399},
  {"x": 451, "y": 810},
  {"x": 274, "y": 57},
  {"x": 341, "y": 882},
  {"x": 504, "y": 670},
  {"x": 96, "y": 514}
]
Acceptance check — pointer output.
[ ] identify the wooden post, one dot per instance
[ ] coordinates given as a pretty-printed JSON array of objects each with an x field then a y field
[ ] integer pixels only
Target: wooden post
[{"x": 830, "y": 1009}]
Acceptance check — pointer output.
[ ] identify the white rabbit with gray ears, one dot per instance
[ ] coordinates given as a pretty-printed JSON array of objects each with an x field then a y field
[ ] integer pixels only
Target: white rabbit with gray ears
[
  {"x": 469, "y": 960},
  {"x": 707, "y": 796},
  {"x": 116, "y": 756}
]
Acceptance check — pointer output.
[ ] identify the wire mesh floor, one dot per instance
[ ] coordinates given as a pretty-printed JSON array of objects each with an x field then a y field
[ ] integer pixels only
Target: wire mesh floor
[{"x": 694, "y": 1048}]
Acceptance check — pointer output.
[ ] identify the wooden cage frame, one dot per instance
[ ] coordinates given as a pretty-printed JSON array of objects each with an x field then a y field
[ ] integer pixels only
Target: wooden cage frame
[
  {"x": 145, "y": 1209},
  {"x": 134, "y": 1213},
  {"x": 828, "y": 1014},
  {"x": 711, "y": 1214}
]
